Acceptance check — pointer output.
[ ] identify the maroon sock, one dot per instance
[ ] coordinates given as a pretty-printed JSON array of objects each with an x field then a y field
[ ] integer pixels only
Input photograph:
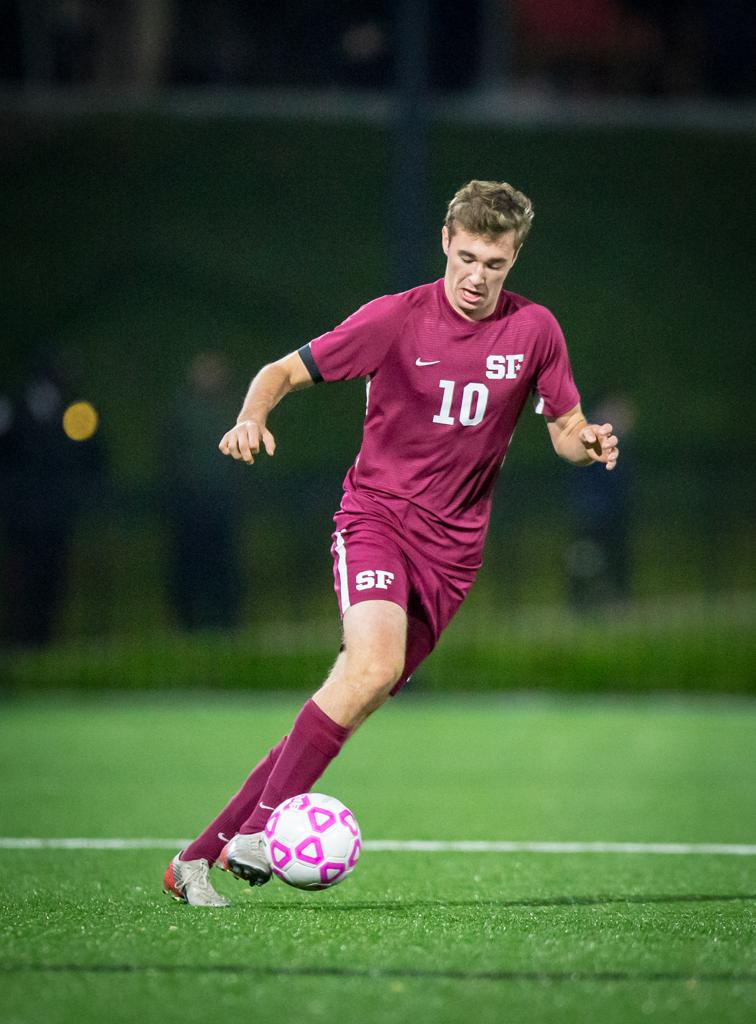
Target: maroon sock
[
  {"x": 210, "y": 842},
  {"x": 313, "y": 743}
]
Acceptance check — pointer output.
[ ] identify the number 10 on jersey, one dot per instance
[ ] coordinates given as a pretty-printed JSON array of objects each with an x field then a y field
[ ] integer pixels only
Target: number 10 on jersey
[{"x": 472, "y": 406}]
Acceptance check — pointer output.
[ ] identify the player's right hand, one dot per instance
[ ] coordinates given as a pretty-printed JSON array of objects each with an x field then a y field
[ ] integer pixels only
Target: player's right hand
[{"x": 243, "y": 441}]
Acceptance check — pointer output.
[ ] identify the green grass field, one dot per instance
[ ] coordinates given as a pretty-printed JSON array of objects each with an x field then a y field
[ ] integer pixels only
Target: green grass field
[{"x": 415, "y": 936}]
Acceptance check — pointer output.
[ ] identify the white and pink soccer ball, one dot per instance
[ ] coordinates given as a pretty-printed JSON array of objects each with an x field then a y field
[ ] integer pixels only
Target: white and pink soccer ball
[{"x": 312, "y": 841}]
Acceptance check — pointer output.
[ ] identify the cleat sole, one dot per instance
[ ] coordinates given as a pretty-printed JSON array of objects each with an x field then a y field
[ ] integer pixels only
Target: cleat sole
[
  {"x": 241, "y": 871},
  {"x": 246, "y": 873}
]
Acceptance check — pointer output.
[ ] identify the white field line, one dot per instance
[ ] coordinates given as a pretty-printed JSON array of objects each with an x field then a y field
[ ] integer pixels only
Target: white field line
[{"x": 410, "y": 845}]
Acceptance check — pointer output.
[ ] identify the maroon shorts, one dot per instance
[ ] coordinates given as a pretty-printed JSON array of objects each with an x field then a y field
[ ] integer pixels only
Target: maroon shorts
[{"x": 371, "y": 562}]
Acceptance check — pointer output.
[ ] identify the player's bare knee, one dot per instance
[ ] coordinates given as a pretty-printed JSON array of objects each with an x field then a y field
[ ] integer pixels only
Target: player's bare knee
[{"x": 374, "y": 676}]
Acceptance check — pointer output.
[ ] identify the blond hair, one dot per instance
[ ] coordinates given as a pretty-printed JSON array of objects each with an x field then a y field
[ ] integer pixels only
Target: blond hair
[{"x": 490, "y": 208}]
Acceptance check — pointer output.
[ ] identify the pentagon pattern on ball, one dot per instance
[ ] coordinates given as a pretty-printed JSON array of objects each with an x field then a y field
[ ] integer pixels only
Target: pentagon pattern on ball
[{"x": 313, "y": 841}]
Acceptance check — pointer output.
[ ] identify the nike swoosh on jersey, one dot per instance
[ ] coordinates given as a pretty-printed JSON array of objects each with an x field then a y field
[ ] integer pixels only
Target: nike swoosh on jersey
[
  {"x": 426, "y": 362},
  {"x": 266, "y": 807},
  {"x": 224, "y": 838}
]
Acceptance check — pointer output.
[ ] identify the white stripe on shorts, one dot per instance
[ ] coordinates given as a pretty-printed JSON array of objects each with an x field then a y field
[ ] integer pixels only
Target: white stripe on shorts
[{"x": 342, "y": 567}]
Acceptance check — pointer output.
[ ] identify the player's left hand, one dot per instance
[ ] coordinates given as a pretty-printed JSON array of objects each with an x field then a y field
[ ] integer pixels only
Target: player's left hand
[{"x": 600, "y": 443}]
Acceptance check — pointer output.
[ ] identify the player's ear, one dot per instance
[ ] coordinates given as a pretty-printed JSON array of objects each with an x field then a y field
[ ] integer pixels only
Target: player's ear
[{"x": 445, "y": 240}]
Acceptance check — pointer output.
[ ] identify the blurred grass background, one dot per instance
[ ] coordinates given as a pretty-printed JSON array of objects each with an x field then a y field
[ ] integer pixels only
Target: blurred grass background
[{"x": 696, "y": 646}]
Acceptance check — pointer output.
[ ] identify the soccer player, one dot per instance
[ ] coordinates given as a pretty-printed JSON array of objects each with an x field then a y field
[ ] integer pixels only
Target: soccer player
[{"x": 449, "y": 367}]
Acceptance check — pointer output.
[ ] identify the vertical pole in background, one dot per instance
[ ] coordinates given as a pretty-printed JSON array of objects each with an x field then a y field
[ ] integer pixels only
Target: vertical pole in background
[
  {"x": 35, "y": 19},
  {"x": 409, "y": 236},
  {"x": 495, "y": 44}
]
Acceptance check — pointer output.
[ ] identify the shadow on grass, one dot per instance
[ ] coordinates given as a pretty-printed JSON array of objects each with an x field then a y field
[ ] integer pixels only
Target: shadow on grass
[
  {"x": 554, "y": 901},
  {"x": 367, "y": 973}
]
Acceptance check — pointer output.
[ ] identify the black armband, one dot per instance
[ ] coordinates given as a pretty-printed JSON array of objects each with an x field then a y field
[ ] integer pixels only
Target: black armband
[{"x": 307, "y": 358}]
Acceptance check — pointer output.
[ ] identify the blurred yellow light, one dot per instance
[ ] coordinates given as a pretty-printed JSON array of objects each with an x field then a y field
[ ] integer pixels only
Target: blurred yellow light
[{"x": 80, "y": 421}]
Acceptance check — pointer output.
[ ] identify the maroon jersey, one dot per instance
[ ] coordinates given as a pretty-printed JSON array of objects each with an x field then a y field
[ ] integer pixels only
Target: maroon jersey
[{"x": 444, "y": 396}]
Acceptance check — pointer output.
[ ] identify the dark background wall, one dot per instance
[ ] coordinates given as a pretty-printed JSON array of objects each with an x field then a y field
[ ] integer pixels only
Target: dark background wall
[
  {"x": 191, "y": 190},
  {"x": 133, "y": 243}
]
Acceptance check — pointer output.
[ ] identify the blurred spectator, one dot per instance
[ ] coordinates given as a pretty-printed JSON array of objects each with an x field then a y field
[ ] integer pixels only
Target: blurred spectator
[
  {"x": 680, "y": 23},
  {"x": 585, "y": 45},
  {"x": 599, "y": 555},
  {"x": 120, "y": 43},
  {"x": 202, "y": 499},
  {"x": 48, "y": 479},
  {"x": 317, "y": 44},
  {"x": 707, "y": 46}
]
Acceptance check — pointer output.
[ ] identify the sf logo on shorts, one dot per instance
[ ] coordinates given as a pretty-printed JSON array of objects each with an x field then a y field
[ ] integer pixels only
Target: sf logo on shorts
[{"x": 369, "y": 578}]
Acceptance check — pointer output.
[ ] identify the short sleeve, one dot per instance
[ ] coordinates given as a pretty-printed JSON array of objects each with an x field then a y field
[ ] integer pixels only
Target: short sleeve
[
  {"x": 358, "y": 346},
  {"x": 555, "y": 390}
]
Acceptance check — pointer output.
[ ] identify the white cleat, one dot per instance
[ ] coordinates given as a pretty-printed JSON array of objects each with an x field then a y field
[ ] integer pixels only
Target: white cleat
[
  {"x": 187, "y": 880},
  {"x": 245, "y": 857}
]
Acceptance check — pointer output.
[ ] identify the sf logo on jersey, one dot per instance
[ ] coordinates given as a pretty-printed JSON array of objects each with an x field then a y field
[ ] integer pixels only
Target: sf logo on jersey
[
  {"x": 504, "y": 367},
  {"x": 378, "y": 578}
]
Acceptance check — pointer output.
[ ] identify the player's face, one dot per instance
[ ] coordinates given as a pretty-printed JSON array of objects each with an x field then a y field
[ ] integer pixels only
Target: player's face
[{"x": 476, "y": 269}]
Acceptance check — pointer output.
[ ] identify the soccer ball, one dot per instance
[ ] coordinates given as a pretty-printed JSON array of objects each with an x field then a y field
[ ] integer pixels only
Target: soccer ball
[{"x": 312, "y": 841}]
